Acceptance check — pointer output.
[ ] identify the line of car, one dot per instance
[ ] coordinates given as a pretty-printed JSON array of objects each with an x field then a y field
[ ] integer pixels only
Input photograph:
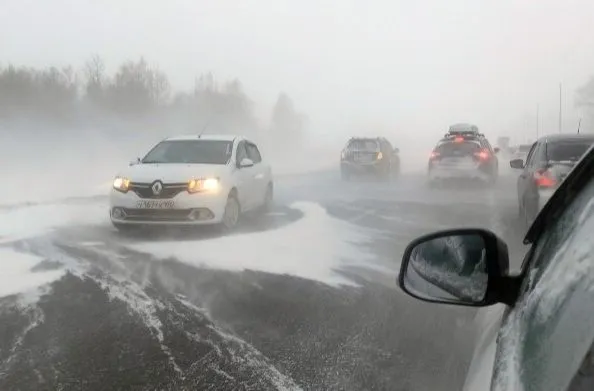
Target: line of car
[
  {"x": 538, "y": 332},
  {"x": 540, "y": 337}
]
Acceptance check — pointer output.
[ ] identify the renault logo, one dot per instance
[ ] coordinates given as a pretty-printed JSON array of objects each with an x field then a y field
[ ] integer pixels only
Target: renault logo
[{"x": 157, "y": 187}]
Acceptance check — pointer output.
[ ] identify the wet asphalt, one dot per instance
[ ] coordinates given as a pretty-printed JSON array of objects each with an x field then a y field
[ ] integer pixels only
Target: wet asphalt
[{"x": 128, "y": 322}]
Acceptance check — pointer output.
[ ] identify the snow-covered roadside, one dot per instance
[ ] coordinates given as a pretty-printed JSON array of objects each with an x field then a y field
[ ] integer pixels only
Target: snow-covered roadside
[
  {"x": 315, "y": 247},
  {"x": 18, "y": 274}
]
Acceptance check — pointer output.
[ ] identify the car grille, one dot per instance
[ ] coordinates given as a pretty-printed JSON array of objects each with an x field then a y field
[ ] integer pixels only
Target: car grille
[
  {"x": 157, "y": 214},
  {"x": 170, "y": 190}
]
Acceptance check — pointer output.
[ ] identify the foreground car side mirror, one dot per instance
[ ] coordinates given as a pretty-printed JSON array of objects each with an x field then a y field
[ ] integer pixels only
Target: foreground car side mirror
[
  {"x": 396, "y": 150},
  {"x": 516, "y": 163},
  {"x": 245, "y": 162},
  {"x": 133, "y": 162},
  {"x": 466, "y": 267}
]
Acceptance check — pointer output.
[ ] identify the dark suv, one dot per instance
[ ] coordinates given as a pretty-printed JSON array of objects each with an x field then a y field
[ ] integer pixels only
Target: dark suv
[
  {"x": 369, "y": 156},
  {"x": 463, "y": 154}
]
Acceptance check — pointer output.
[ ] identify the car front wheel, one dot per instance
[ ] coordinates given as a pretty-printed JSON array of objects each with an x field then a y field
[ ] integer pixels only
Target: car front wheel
[
  {"x": 231, "y": 213},
  {"x": 268, "y": 202}
]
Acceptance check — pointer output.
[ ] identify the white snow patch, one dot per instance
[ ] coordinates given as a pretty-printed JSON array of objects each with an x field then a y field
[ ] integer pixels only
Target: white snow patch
[
  {"x": 28, "y": 221},
  {"x": 16, "y": 275},
  {"x": 314, "y": 247}
]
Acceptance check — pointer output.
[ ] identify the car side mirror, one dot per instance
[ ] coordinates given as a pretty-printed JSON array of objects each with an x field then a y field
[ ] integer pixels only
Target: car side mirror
[
  {"x": 245, "y": 162},
  {"x": 516, "y": 163},
  {"x": 496, "y": 149},
  {"x": 396, "y": 150},
  {"x": 463, "y": 267},
  {"x": 133, "y": 162}
]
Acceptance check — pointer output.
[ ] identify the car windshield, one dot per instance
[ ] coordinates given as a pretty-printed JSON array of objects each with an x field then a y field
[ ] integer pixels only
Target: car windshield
[
  {"x": 190, "y": 152},
  {"x": 457, "y": 148},
  {"x": 568, "y": 150}
]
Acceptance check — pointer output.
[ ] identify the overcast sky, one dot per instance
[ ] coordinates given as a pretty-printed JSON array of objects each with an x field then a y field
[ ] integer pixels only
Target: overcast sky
[{"x": 409, "y": 66}]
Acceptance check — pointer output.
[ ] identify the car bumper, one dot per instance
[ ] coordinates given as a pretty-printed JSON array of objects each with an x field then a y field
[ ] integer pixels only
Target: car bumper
[
  {"x": 361, "y": 168},
  {"x": 543, "y": 197},
  {"x": 183, "y": 209},
  {"x": 438, "y": 172}
]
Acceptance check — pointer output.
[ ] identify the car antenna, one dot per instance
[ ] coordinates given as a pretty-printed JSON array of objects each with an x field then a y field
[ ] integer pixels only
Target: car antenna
[
  {"x": 579, "y": 125},
  {"x": 204, "y": 127}
]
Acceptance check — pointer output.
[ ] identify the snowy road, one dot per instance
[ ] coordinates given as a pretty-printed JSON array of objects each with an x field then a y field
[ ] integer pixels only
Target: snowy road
[{"x": 303, "y": 298}]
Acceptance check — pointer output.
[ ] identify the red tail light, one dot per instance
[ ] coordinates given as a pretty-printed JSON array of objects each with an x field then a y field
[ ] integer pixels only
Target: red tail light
[
  {"x": 434, "y": 155},
  {"x": 483, "y": 154},
  {"x": 459, "y": 139},
  {"x": 544, "y": 178}
]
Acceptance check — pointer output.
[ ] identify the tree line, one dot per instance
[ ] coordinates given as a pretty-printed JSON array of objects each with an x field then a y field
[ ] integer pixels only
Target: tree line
[{"x": 136, "y": 89}]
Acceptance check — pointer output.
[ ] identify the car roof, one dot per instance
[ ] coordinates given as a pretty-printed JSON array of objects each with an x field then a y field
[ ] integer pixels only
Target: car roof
[
  {"x": 366, "y": 138},
  {"x": 570, "y": 188},
  {"x": 217, "y": 137},
  {"x": 566, "y": 137}
]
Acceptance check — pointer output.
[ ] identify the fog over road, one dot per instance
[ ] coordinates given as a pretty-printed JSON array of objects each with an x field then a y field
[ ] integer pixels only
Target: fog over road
[{"x": 302, "y": 298}]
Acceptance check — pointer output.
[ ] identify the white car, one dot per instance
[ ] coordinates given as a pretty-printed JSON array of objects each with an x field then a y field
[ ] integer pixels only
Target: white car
[{"x": 192, "y": 180}]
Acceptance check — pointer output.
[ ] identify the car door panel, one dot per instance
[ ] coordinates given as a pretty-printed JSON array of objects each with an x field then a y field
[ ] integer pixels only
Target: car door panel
[
  {"x": 244, "y": 178},
  {"x": 260, "y": 183},
  {"x": 546, "y": 335},
  {"x": 480, "y": 371}
]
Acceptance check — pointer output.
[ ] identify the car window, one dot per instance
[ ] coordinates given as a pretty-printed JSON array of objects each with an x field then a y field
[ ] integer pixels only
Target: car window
[
  {"x": 537, "y": 155},
  {"x": 363, "y": 145},
  {"x": 457, "y": 148},
  {"x": 253, "y": 153},
  {"x": 487, "y": 145},
  {"x": 546, "y": 336},
  {"x": 529, "y": 157},
  {"x": 567, "y": 150},
  {"x": 241, "y": 152}
]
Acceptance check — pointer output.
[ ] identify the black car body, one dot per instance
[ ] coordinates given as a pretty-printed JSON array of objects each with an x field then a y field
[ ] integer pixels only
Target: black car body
[
  {"x": 548, "y": 162},
  {"x": 462, "y": 154},
  {"x": 538, "y": 332},
  {"x": 369, "y": 156}
]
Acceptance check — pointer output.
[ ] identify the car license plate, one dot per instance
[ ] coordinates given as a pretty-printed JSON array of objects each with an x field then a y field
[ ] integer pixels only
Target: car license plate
[{"x": 155, "y": 204}]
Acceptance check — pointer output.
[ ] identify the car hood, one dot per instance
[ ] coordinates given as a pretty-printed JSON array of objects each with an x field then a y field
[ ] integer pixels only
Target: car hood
[{"x": 172, "y": 173}]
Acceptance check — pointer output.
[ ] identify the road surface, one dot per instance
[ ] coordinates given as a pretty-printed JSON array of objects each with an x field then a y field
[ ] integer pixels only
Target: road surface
[{"x": 302, "y": 298}]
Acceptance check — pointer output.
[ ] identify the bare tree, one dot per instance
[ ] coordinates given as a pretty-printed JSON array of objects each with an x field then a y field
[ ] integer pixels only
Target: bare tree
[{"x": 95, "y": 70}]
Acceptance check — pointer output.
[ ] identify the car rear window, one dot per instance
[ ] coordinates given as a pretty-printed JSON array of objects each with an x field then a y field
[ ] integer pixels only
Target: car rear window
[
  {"x": 457, "y": 149},
  {"x": 568, "y": 150},
  {"x": 363, "y": 145}
]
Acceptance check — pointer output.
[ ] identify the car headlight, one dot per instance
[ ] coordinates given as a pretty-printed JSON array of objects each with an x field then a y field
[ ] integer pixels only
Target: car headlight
[
  {"x": 121, "y": 184},
  {"x": 203, "y": 184}
]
